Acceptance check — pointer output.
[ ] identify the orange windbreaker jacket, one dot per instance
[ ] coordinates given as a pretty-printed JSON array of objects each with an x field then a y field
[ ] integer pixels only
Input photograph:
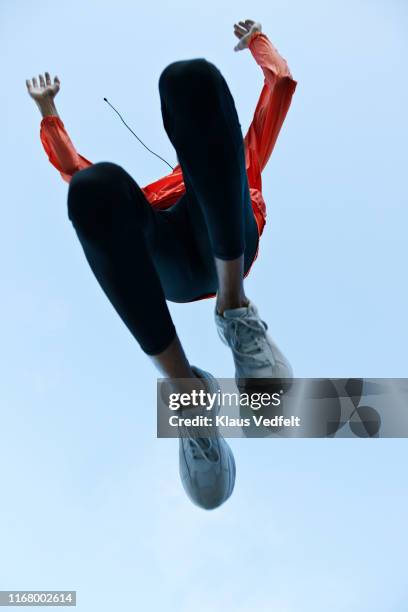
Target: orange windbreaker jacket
[{"x": 270, "y": 113}]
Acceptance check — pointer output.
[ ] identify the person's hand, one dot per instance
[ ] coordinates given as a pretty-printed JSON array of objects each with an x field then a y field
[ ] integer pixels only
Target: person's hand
[
  {"x": 45, "y": 90},
  {"x": 244, "y": 31},
  {"x": 44, "y": 93}
]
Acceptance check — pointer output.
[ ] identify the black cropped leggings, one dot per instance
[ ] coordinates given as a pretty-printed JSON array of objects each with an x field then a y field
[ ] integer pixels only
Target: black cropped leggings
[{"x": 141, "y": 256}]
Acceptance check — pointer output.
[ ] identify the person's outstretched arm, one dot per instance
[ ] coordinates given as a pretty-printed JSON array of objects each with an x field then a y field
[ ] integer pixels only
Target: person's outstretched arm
[
  {"x": 274, "y": 101},
  {"x": 55, "y": 140}
]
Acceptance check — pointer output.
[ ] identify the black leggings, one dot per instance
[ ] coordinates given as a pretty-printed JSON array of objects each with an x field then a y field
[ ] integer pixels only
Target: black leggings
[{"x": 142, "y": 256}]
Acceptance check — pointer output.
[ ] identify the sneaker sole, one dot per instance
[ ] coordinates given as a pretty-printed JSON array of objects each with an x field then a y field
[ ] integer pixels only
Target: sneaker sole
[{"x": 264, "y": 385}]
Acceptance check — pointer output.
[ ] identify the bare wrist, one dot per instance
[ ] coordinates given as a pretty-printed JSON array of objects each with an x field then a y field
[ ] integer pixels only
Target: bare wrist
[{"x": 47, "y": 107}]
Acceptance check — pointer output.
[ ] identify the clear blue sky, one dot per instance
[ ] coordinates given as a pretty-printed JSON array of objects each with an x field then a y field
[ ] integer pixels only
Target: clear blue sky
[{"x": 90, "y": 499}]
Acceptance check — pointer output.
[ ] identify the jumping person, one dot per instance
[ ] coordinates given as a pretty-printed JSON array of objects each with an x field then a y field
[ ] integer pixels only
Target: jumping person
[{"x": 190, "y": 235}]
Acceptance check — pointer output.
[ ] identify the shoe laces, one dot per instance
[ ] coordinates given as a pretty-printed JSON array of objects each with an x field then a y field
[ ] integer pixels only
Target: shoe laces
[
  {"x": 203, "y": 448},
  {"x": 200, "y": 448},
  {"x": 246, "y": 336}
]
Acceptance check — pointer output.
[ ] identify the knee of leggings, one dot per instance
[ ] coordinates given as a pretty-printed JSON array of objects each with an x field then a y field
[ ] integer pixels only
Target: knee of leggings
[
  {"x": 187, "y": 76},
  {"x": 89, "y": 188}
]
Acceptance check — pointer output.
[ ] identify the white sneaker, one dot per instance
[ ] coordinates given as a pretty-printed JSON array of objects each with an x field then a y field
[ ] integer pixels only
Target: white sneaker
[
  {"x": 207, "y": 465},
  {"x": 257, "y": 358}
]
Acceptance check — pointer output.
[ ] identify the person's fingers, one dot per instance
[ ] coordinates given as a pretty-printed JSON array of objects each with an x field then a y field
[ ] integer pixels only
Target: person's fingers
[
  {"x": 56, "y": 86},
  {"x": 47, "y": 78},
  {"x": 249, "y": 22},
  {"x": 240, "y": 30},
  {"x": 35, "y": 82},
  {"x": 244, "y": 26},
  {"x": 240, "y": 45},
  {"x": 42, "y": 82}
]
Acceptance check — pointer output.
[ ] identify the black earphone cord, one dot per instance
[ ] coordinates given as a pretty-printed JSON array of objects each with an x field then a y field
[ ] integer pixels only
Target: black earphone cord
[{"x": 136, "y": 136}]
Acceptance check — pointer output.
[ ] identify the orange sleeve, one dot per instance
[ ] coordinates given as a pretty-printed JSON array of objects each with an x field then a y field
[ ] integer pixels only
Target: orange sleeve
[
  {"x": 59, "y": 148},
  {"x": 272, "y": 106}
]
